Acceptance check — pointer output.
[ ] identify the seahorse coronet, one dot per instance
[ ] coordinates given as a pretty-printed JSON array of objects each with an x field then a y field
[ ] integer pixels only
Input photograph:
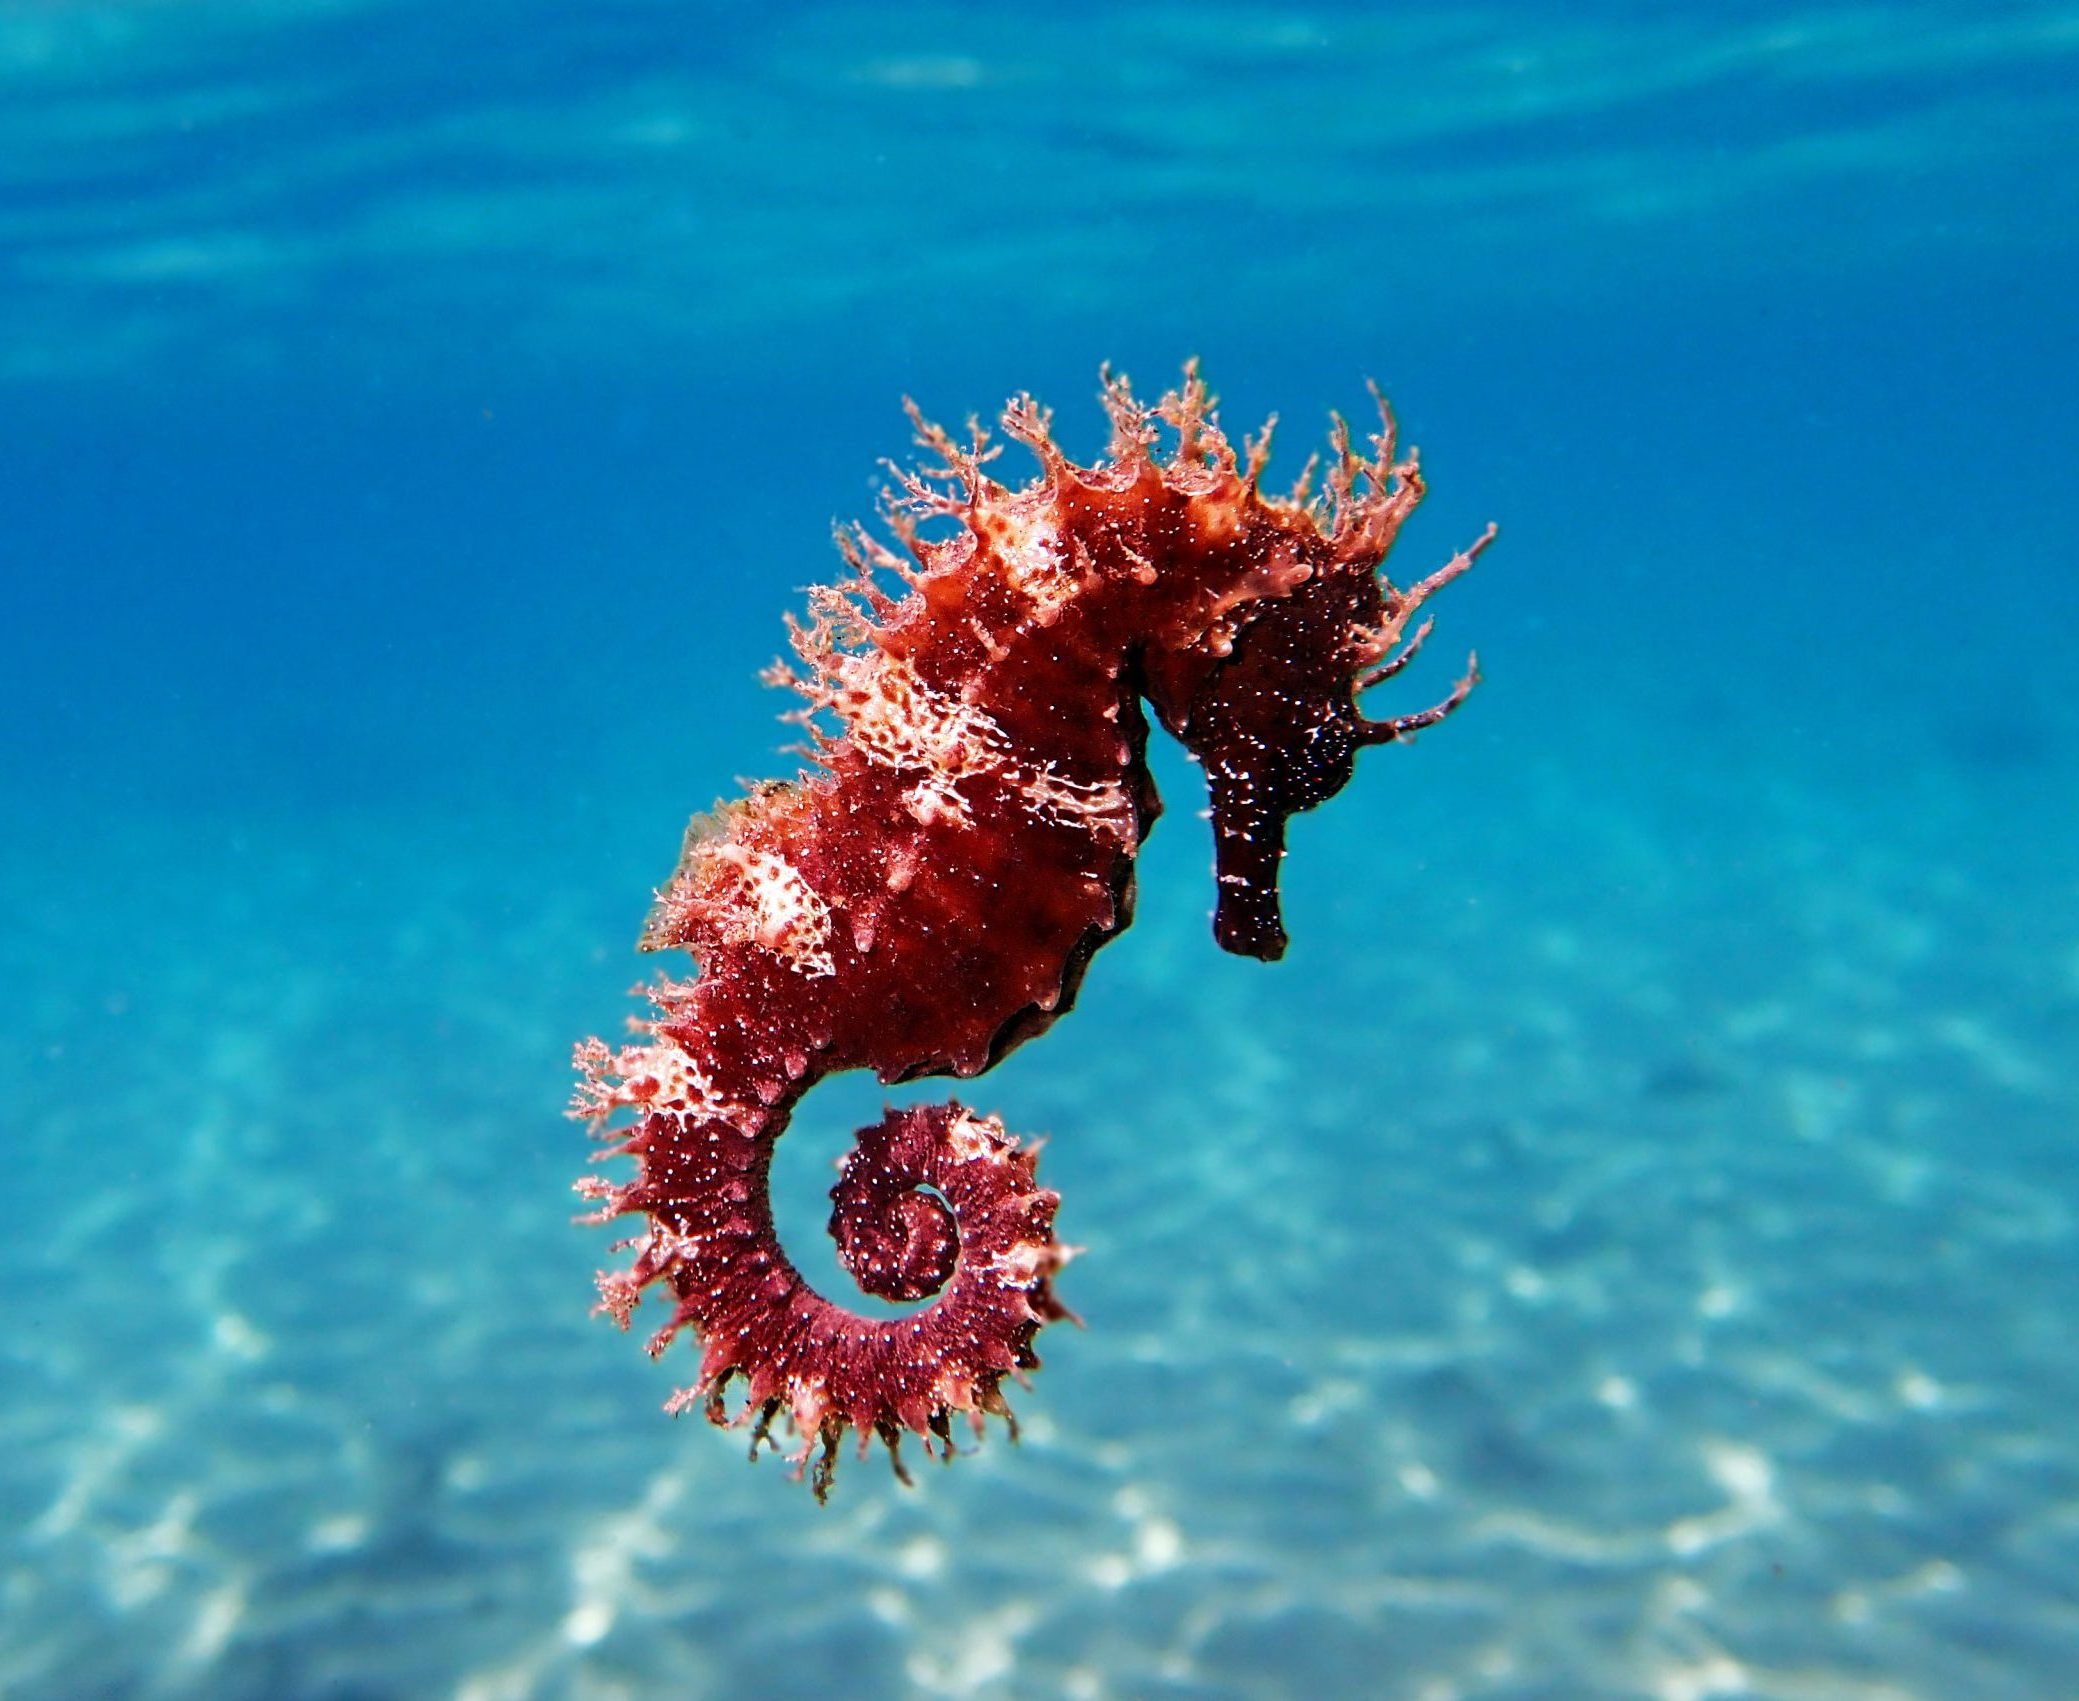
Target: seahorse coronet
[{"x": 927, "y": 895}]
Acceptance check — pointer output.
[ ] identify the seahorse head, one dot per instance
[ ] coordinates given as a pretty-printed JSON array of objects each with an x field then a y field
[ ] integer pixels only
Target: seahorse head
[
  {"x": 1272, "y": 717},
  {"x": 1267, "y": 699}
]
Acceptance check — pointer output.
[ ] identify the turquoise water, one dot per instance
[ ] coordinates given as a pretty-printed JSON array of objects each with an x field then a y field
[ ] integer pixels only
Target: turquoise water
[{"x": 1628, "y": 1248}]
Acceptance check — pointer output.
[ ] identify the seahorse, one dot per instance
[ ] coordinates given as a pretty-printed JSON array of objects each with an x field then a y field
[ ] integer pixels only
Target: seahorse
[{"x": 929, "y": 892}]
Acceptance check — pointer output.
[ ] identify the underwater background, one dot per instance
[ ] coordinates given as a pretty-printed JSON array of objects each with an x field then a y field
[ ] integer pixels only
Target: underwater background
[{"x": 1628, "y": 1248}]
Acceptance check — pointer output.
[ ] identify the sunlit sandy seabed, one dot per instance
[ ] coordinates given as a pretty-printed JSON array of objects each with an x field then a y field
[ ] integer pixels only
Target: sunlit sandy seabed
[{"x": 1628, "y": 1249}]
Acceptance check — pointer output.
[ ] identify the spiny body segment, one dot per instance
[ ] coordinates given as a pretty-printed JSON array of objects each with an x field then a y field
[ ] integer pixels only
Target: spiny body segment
[{"x": 928, "y": 895}]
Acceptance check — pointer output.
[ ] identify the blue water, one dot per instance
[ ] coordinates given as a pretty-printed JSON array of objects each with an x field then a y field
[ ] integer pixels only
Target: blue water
[{"x": 1627, "y": 1249}]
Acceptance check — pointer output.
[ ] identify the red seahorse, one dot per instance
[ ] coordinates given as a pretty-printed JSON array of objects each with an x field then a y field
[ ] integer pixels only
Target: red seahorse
[{"x": 929, "y": 895}]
